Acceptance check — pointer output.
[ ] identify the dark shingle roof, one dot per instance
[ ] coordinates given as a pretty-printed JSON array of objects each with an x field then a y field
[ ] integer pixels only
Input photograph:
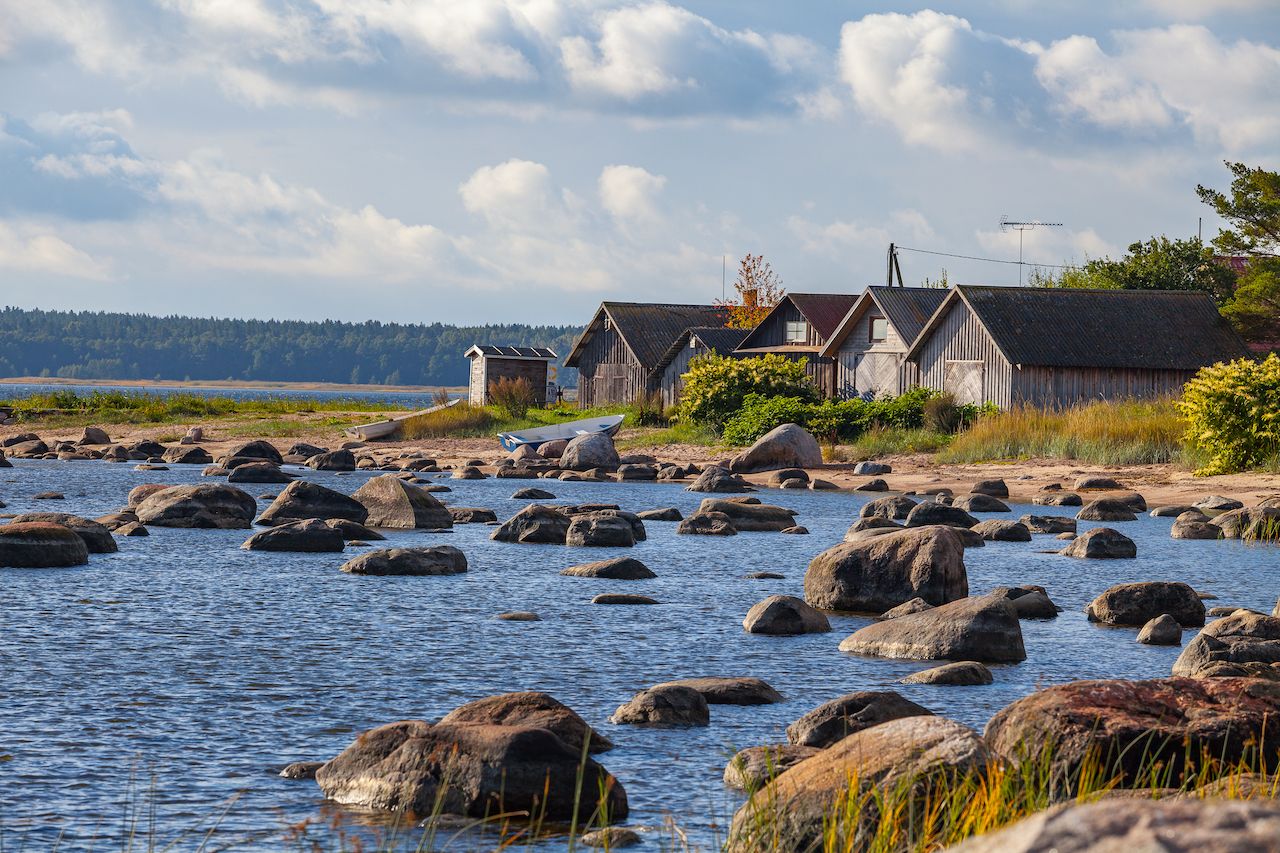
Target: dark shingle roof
[
  {"x": 649, "y": 329},
  {"x": 1136, "y": 329},
  {"x": 908, "y": 308},
  {"x": 512, "y": 352},
  {"x": 720, "y": 339},
  {"x": 824, "y": 311}
]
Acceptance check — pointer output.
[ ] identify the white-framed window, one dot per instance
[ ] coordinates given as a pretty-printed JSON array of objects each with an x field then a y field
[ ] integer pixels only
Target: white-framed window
[
  {"x": 795, "y": 331},
  {"x": 879, "y": 329}
]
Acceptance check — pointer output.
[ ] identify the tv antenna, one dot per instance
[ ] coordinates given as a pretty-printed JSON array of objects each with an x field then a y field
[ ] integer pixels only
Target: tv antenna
[{"x": 1007, "y": 224}]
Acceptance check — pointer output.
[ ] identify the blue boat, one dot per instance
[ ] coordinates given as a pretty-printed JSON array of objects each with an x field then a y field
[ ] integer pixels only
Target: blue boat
[{"x": 608, "y": 424}]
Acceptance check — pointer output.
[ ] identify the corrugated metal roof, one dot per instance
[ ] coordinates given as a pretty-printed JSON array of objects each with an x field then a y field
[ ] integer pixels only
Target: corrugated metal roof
[
  {"x": 648, "y": 328},
  {"x": 824, "y": 311},
  {"x": 1137, "y": 329},
  {"x": 720, "y": 339},
  {"x": 908, "y": 308},
  {"x": 512, "y": 351}
]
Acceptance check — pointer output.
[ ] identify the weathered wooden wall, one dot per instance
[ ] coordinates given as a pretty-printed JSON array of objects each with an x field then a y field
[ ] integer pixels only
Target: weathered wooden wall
[
  {"x": 671, "y": 385},
  {"x": 863, "y": 366},
  {"x": 960, "y": 337},
  {"x": 607, "y": 372},
  {"x": 773, "y": 331},
  {"x": 476, "y": 395},
  {"x": 1059, "y": 387}
]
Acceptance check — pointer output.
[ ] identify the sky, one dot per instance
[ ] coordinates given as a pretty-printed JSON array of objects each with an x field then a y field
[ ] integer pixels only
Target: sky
[{"x": 518, "y": 161}]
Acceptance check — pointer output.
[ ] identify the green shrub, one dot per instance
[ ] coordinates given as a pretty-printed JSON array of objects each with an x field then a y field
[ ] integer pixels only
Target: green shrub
[
  {"x": 646, "y": 410},
  {"x": 1232, "y": 412},
  {"x": 830, "y": 420},
  {"x": 716, "y": 386}
]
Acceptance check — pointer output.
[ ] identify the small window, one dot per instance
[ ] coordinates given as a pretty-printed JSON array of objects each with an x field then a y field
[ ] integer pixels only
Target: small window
[
  {"x": 795, "y": 331},
  {"x": 879, "y": 329}
]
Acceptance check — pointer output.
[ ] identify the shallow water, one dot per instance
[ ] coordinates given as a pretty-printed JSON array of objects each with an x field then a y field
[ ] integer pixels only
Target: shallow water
[{"x": 188, "y": 667}]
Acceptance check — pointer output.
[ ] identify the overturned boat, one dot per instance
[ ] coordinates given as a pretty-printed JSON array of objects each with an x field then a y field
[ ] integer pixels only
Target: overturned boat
[{"x": 607, "y": 424}]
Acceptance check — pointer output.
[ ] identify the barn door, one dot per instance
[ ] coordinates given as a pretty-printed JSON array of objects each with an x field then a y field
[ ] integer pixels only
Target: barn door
[
  {"x": 963, "y": 379},
  {"x": 878, "y": 374}
]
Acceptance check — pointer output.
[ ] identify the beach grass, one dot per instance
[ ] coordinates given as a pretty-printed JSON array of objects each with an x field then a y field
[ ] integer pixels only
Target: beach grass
[{"x": 1102, "y": 433}]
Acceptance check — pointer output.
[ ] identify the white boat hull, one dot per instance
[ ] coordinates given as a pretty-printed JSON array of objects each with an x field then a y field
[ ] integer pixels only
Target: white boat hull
[
  {"x": 384, "y": 428},
  {"x": 609, "y": 425}
]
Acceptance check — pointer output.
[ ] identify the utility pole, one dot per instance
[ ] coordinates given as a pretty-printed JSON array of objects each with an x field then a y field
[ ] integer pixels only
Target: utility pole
[{"x": 892, "y": 267}]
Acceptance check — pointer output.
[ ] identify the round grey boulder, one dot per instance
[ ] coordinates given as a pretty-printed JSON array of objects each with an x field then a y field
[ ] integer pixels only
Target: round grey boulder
[
  {"x": 784, "y": 615},
  {"x": 1163, "y": 630},
  {"x": 1101, "y": 543},
  {"x": 664, "y": 705},
  {"x": 436, "y": 560}
]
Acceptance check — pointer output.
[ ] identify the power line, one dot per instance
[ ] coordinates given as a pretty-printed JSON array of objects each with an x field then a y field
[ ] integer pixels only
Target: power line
[{"x": 988, "y": 260}]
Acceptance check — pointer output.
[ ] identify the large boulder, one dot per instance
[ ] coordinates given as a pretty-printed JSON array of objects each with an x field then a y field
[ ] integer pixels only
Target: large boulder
[
  {"x": 592, "y": 450},
  {"x": 875, "y": 575},
  {"x": 1107, "y": 509},
  {"x": 1252, "y": 524},
  {"x": 1053, "y": 524},
  {"x": 97, "y": 536},
  {"x": 707, "y": 524},
  {"x": 309, "y": 535},
  {"x": 664, "y": 705},
  {"x": 751, "y": 516},
  {"x": 258, "y": 449},
  {"x": 1126, "y": 729},
  {"x": 1163, "y": 630},
  {"x": 1136, "y": 604},
  {"x": 980, "y": 503},
  {"x": 203, "y": 506},
  {"x": 1057, "y": 499},
  {"x": 894, "y": 508},
  {"x": 1242, "y": 644},
  {"x": 832, "y": 722},
  {"x": 983, "y": 629},
  {"x": 302, "y": 499},
  {"x": 417, "y": 562},
  {"x": 994, "y": 488},
  {"x": 93, "y": 435},
  {"x": 729, "y": 690},
  {"x": 599, "y": 529},
  {"x": 1101, "y": 543},
  {"x": 932, "y": 513},
  {"x": 1133, "y": 824},
  {"x": 354, "y": 531},
  {"x": 333, "y": 460},
  {"x": 472, "y": 769},
  {"x": 530, "y": 708},
  {"x": 535, "y": 524},
  {"x": 40, "y": 545},
  {"x": 717, "y": 479},
  {"x": 962, "y": 673},
  {"x": 1003, "y": 530},
  {"x": 784, "y": 616},
  {"x": 391, "y": 502},
  {"x": 786, "y": 446},
  {"x": 618, "y": 569},
  {"x": 907, "y": 757}
]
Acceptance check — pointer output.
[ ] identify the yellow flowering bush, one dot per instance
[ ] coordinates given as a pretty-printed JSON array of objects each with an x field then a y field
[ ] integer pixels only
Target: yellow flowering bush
[
  {"x": 1233, "y": 414},
  {"x": 716, "y": 385}
]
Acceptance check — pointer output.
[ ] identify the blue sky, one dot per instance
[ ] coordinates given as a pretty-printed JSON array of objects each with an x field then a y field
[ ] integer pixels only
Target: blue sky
[{"x": 521, "y": 160}]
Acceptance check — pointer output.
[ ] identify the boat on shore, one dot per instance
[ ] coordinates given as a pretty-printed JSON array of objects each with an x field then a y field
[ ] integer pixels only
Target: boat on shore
[
  {"x": 608, "y": 424},
  {"x": 384, "y": 428}
]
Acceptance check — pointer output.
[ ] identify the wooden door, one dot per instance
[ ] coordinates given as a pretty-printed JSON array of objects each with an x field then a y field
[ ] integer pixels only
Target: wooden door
[
  {"x": 878, "y": 374},
  {"x": 963, "y": 380}
]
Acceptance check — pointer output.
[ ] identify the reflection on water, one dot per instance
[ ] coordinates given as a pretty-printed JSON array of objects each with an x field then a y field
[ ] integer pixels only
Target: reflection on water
[{"x": 186, "y": 660}]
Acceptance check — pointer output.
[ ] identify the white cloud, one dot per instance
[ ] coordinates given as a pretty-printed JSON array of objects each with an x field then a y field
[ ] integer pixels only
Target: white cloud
[
  {"x": 27, "y": 248},
  {"x": 1048, "y": 245},
  {"x": 630, "y": 192},
  {"x": 1197, "y": 9},
  {"x": 517, "y": 193},
  {"x": 1085, "y": 80},
  {"x": 843, "y": 238}
]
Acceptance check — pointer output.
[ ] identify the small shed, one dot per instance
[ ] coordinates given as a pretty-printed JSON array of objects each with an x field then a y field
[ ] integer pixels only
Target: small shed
[
  {"x": 869, "y": 345},
  {"x": 490, "y": 363},
  {"x": 693, "y": 342},
  {"x": 1053, "y": 347}
]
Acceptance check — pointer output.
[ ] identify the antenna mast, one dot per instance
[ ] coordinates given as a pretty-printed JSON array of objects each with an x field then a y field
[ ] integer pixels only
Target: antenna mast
[{"x": 1007, "y": 224}]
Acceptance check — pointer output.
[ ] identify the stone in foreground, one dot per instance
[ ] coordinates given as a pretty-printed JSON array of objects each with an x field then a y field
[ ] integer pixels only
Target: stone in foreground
[
  {"x": 1241, "y": 644},
  {"x": 731, "y": 690},
  {"x": 619, "y": 568},
  {"x": 793, "y": 812},
  {"x": 982, "y": 629},
  {"x": 785, "y": 446},
  {"x": 961, "y": 673},
  {"x": 1135, "y": 604},
  {"x": 531, "y": 708},
  {"x": 391, "y": 502},
  {"x": 469, "y": 769},
  {"x": 756, "y": 766},
  {"x": 302, "y": 499},
  {"x": 202, "y": 506},
  {"x": 1101, "y": 543},
  {"x": 309, "y": 535},
  {"x": 96, "y": 535},
  {"x": 1127, "y": 725}
]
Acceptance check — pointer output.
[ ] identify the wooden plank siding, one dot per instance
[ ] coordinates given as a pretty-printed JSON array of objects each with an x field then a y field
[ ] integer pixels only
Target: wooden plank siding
[
  {"x": 771, "y": 336},
  {"x": 866, "y": 367},
  {"x": 608, "y": 373},
  {"x": 671, "y": 385},
  {"x": 1060, "y": 387},
  {"x": 960, "y": 337}
]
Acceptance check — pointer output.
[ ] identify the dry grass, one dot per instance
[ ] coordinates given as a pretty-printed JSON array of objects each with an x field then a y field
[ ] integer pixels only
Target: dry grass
[{"x": 1124, "y": 433}]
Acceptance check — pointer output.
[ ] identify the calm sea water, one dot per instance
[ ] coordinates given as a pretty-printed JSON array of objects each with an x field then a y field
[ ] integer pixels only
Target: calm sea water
[
  {"x": 390, "y": 397},
  {"x": 189, "y": 668}
]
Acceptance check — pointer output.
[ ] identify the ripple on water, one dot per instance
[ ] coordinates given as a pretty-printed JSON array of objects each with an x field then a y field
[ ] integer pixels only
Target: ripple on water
[{"x": 186, "y": 660}]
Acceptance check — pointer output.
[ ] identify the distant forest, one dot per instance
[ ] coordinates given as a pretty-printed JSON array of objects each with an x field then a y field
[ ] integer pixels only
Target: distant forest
[{"x": 99, "y": 345}]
